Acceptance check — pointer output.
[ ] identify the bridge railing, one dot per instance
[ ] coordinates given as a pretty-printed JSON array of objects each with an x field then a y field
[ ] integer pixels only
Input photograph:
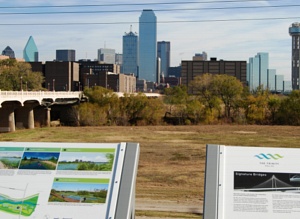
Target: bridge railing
[
  {"x": 53, "y": 94},
  {"x": 22, "y": 96}
]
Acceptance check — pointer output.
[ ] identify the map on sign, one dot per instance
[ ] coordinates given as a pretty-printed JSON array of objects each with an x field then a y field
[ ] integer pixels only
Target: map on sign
[{"x": 59, "y": 180}]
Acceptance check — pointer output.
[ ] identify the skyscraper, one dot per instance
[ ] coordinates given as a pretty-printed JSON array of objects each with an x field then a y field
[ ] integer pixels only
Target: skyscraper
[
  {"x": 294, "y": 31},
  {"x": 9, "y": 52},
  {"x": 30, "y": 52},
  {"x": 163, "y": 52},
  {"x": 107, "y": 55},
  {"x": 257, "y": 71},
  {"x": 66, "y": 55},
  {"x": 130, "y": 53},
  {"x": 147, "y": 46}
]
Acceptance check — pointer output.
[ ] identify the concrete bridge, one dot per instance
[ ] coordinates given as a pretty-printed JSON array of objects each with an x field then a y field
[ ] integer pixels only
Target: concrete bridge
[{"x": 24, "y": 109}]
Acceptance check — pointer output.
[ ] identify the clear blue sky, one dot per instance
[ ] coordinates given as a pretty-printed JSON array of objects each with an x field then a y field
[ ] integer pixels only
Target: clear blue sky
[{"x": 247, "y": 27}]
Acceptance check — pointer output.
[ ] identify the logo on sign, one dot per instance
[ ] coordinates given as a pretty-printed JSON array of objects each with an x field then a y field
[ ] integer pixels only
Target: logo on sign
[{"x": 269, "y": 156}]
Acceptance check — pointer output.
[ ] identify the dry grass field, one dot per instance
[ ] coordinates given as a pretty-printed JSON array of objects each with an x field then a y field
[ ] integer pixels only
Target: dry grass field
[{"x": 170, "y": 182}]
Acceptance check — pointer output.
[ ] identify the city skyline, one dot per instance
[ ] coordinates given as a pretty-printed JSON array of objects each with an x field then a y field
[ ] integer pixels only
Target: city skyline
[{"x": 235, "y": 33}]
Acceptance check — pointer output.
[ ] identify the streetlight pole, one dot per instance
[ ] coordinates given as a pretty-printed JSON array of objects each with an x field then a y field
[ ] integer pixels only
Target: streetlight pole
[
  {"x": 53, "y": 85},
  {"x": 21, "y": 87}
]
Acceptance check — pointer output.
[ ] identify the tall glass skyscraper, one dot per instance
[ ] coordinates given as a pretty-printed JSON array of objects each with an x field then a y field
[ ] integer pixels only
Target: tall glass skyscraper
[
  {"x": 147, "y": 46},
  {"x": 163, "y": 52},
  {"x": 294, "y": 31},
  {"x": 130, "y": 53},
  {"x": 257, "y": 71},
  {"x": 30, "y": 52}
]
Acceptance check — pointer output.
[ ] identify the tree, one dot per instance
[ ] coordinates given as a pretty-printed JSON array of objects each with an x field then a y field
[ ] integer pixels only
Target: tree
[
  {"x": 132, "y": 106},
  {"x": 273, "y": 106},
  {"x": 18, "y": 76},
  {"x": 176, "y": 100},
  {"x": 107, "y": 100},
  {"x": 256, "y": 106},
  {"x": 202, "y": 87},
  {"x": 289, "y": 110},
  {"x": 229, "y": 89}
]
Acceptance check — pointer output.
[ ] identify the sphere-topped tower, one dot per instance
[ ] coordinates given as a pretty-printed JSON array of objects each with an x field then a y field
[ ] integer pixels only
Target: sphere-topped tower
[{"x": 294, "y": 31}]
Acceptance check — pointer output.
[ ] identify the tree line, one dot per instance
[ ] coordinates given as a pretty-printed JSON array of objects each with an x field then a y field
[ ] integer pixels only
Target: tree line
[{"x": 210, "y": 99}]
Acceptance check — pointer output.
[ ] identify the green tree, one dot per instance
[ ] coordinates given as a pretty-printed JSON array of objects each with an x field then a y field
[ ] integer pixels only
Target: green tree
[
  {"x": 274, "y": 102},
  {"x": 195, "y": 111},
  {"x": 153, "y": 112},
  {"x": 203, "y": 88},
  {"x": 107, "y": 100},
  {"x": 176, "y": 100},
  {"x": 18, "y": 75},
  {"x": 256, "y": 106},
  {"x": 132, "y": 106},
  {"x": 229, "y": 89},
  {"x": 91, "y": 114},
  {"x": 289, "y": 110}
]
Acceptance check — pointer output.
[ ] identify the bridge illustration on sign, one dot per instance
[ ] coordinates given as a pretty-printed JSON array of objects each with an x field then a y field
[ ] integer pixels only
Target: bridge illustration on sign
[{"x": 272, "y": 184}]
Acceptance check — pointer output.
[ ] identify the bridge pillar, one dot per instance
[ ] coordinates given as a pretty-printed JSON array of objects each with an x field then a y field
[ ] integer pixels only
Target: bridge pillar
[
  {"x": 42, "y": 116},
  {"x": 7, "y": 114},
  {"x": 48, "y": 116},
  {"x": 25, "y": 116}
]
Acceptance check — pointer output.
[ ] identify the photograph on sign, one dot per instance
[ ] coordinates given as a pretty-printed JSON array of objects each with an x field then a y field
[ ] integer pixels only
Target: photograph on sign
[
  {"x": 264, "y": 182},
  {"x": 59, "y": 180}
]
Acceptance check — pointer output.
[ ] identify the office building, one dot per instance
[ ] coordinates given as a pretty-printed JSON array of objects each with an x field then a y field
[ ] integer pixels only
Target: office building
[
  {"x": 279, "y": 83},
  {"x": 294, "y": 31},
  {"x": 9, "y": 52},
  {"x": 271, "y": 80},
  {"x": 65, "y": 55},
  {"x": 287, "y": 86},
  {"x": 62, "y": 76},
  {"x": 113, "y": 81},
  {"x": 30, "y": 52},
  {"x": 119, "y": 59},
  {"x": 191, "y": 69},
  {"x": 130, "y": 53},
  {"x": 107, "y": 55},
  {"x": 164, "y": 53},
  {"x": 175, "y": 71},
  {"x": 147, "y": 46},
  {"x": 94, "y": 67},
  {"x": 257, "y": 71},
  {"x": 141, "y": 85},
  {"x": 200, "y": 56}
]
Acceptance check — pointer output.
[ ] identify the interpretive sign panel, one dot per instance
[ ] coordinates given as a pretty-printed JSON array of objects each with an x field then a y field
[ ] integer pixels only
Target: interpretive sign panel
[
  {"x": 252, "y": 182},
  {"x": 64, "y": 180}
]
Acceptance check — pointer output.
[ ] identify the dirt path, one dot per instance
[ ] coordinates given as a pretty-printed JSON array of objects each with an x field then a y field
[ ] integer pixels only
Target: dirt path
[
  {"x": 171, "y": 206},
  {"x": 2, "y": 166},
  {"x": 168, "y": 206},
  {"x": 49, "y": 162}
]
